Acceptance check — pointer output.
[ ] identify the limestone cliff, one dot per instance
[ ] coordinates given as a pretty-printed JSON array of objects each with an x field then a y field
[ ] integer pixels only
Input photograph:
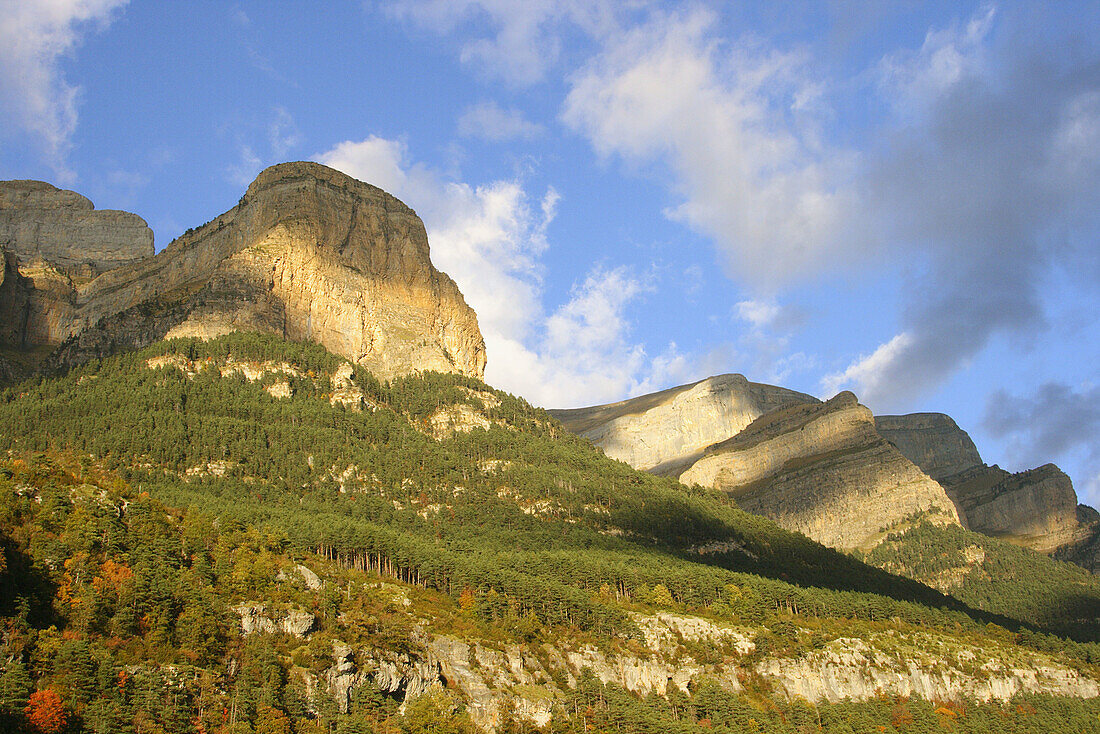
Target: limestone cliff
[
  {"x": 308, "y": 253},
  {"x": 822, "y": 470},
  {"x": 666, "y": 431},
  {"x": 39, "y": 222},
  {"x": 1036, "y": 508},
  {"x": 932, "y": 441}
]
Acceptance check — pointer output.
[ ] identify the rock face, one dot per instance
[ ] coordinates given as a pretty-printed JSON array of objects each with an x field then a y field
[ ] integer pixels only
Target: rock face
[
  {"x": 832, "y": 470},
  {"x": 822, "y": 470},
  {"x": 921, "y": 665},
  {"x": 1036, "y": 508},
  {"x": 932, "y": 441},
  {"x": 534, "y": 678},
  {"x": 666, "y": 431},
  {"x": 41, "y": 222},
  {"x": 308, "y": 253}
]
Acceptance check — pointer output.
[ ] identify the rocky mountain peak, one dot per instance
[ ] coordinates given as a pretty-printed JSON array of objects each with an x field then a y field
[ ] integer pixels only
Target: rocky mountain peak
[
  {"x": 44, "y": 226},
  {"x": 308, "y": 253}
]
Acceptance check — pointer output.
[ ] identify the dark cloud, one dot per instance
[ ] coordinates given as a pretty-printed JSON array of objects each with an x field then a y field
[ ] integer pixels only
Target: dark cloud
[
  {"x": 1053, "y": 422},
  {"x": 987, "y": 176}
]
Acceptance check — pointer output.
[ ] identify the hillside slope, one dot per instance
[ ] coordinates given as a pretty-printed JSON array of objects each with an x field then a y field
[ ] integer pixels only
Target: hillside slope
[{"x": 524, "y": 553}]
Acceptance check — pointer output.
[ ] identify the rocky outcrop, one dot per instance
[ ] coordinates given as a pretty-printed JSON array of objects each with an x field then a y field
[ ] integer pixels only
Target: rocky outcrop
[
  {"x": 822, "y": 470},
  {"x": 918, "y": 665},
  {"x": 1036, "y": 508},
  {"x": 255, "y": 618},
  {"x": 666, "y": 431},
  {"x": 308, "y": 253},
  {"x": 932, "y": 441},
  {"x": 39, "y": 222},
  {"x": 833, "y": 471},
  {"x": 532, "y": 679}
]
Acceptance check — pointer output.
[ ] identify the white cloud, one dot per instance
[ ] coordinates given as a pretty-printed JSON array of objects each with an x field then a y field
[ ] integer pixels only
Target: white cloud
[
  {"x": 765, "y": 345},
  {"x": 913, "y": 81},
  {"x": 489, "y": 121},
  {"x": 733, "y": 126},
  {"x": 490, "y": 239},
  {"x": 769, "y": 314},
  {"x": 517, "y": 42},
  {"x": 871, "y": 376},
  {"x": 34, "y": 37}
]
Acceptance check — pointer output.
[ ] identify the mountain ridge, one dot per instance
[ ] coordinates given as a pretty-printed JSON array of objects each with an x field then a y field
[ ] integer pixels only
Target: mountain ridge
[{"x": 308, "y": 253}]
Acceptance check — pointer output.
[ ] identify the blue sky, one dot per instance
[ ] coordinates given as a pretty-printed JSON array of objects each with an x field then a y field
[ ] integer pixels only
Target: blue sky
[{"x": 897, "y": 198}]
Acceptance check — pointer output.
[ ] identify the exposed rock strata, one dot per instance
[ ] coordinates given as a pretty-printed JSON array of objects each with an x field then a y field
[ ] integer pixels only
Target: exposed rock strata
[
  {"x": 664, "y": 431},
  {"x": 1036, "y": 508},
  {"x": 821, "y": 470},
  {"x": 835, "y": 473},
  {"x": 856, "y": 669},
  {"x": 534, "y": 677},
  {"x": 39, "y": 222},
  {"x": 932, "y": 441},
  {"x": 308, "y": 253}
]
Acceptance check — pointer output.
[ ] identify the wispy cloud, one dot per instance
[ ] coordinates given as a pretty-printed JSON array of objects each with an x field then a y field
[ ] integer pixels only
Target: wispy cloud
[
  {"x": 261, "y": 144},
  {"x": 517, "y": 42},
  {"x": 34, "y": 38},
  {"x": 730, "y": 123},
  {"x": 488, "y": 121}
]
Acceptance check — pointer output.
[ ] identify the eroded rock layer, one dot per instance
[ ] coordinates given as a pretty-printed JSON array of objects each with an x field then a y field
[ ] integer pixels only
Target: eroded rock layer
[
  {"x": 932, "y": 441},
  {"x": 822, "y": 470},
  {"x": 308, "y": 253},
  {"x": 1036, "y": 508},
  {"x": 666, "y": 431},
  {"x": 39, "y": 222}
]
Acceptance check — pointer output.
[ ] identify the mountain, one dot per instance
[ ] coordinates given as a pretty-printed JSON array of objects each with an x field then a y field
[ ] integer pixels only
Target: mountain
[
  {"x": 821, "y": 469},
  {"x": 835, "y": 472},
  {"x": 270, "y": 523},
  {"x": 1037, "y": 509},
  {"x": 308, "y": 254},
  {"x": 666, "y": 430}
]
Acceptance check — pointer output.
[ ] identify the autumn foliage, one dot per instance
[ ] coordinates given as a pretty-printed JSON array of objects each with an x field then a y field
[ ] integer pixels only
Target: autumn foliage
[{"x": 46, "y": 712}]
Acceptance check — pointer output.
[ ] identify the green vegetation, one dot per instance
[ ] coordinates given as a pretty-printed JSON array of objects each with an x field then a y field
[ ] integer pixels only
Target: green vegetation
[
  {"x": 147, "y": 495},
  {"x": 995, "y": 575}
]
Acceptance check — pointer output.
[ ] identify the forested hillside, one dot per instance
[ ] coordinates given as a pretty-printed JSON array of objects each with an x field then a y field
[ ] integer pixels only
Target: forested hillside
[
  {"x": 988, "y": 573},
  {"x": 476, "y": 509}
]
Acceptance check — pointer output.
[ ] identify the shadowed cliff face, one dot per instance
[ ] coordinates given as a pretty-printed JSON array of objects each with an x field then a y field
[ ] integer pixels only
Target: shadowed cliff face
[
  {"x": 1036, "y": 508},
  {"x": 308, "y": 253},
  {"x": 833, "y": 471}
]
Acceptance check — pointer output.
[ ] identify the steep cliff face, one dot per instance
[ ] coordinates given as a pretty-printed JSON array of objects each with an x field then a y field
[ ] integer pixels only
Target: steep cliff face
[
  {"x": 308, "y": 253},
  {"x": 932, "y": 441},
  {"x": 41, "y": 222},
  {"x": 1036, "y": 508},
  {"x": 822, "y": 470},
  {"x": 666, "y": 431}
]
